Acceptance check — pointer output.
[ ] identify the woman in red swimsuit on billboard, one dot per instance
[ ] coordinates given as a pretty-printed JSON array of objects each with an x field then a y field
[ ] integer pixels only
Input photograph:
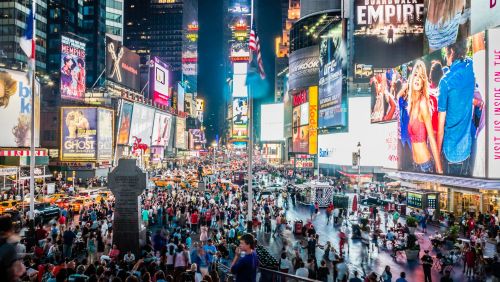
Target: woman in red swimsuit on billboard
[{"x": 420, "y": 124}]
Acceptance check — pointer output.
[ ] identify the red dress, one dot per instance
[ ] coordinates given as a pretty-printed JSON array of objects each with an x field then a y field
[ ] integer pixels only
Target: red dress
[{"x": 470, "y": 258}]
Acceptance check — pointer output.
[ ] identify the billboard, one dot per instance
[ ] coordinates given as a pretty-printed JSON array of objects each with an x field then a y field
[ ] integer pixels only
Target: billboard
[
  {"x": 105, "y": 134},
  {"x": 158, "y": 82},
  {"x": 15, "y": 109},
  {"x": 484, "y": 15},
  {"x": 313, "y": 120},
  {"x": 385, "y": 84},
  {"x": 180, "y": 97},
  {"x": 125, "y": 122},
  {"x": 271, "y": 120},
  {"x": 141, "y": 124},
  {"x": 122, "y": 65},
  {"x": 78, "y": 133},
  {"x": 442, "y": 112},
  {"x": 180, "y": 133},
  {"x": 73, "y": 73},
  {"x": 388, "y": 33},
  {"x": 446, "y": 22},
  {"x": 493, "y": 104},
  {"x": 301, "y": 139},
  {"x": 379, "y": 141},
  {"x": 332, "y": 70},
  {"x": 240, "y": 118},
  {"x": 161, "y": 129},
  {"x": 304, "y": 67},
  {"x": 197, "y": 138},
  {"x": 287, "y": 101}
]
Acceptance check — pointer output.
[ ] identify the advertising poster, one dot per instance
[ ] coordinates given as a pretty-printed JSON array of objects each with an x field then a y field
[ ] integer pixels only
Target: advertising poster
[
  {"x": 455, "y": 147},
  {"x": 159, "y": 82},
  {"x": 105, "y": 134},
  {"x": 15, "y": 109},
  {"x": 240, "y": 111},
  {"x": 125, "y": 122},
  {"x": 141, "y": 124},
  {"x": 78, "y": 133},
  {"x": 161, "y": 129},
  {"x": 198, "y": 138},
  {"x": 362, "y": 73},
  {"x": 388, "y": 33},
  {"x": 301, "y": 139},
  {"x": 447, "y": 22},
  {"x": 190, "y": 45},
  {"x": 271, "y": 120},
  {"x": 385, "y": 84},
  {"x": 484, "y": 14},
  {"x": 303, "y": 67},
  {"x": 332, "y": 67},
  {"x": 180, "y": 133},
  {"x": 313, "y": 120},
  {"x": 493, "y": 104},
  {"x": 288, "y": 113},
  {"x": 122, "y": 65},
  {"x": 240, "y": 131},
  {"x": 72, "y": 69}
]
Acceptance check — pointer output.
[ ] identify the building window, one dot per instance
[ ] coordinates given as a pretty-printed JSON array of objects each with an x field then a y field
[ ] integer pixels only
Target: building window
[{"x": 113, "y": 17}]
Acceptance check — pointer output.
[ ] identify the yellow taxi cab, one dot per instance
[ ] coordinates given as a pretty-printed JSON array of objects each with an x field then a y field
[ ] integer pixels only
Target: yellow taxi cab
[
  {"x": 78, "y": 203},
  {"x": 7, "y": 205},
  {"x": 54, "y": 197},
  {"x": 103, "y": 196}
]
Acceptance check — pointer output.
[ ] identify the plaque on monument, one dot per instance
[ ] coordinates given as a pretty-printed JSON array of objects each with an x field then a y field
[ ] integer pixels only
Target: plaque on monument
[{"x": 127, "y": 182}]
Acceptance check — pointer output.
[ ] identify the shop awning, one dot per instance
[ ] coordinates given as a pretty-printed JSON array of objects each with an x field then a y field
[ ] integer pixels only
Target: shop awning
[{"x": 473, "y": 183}]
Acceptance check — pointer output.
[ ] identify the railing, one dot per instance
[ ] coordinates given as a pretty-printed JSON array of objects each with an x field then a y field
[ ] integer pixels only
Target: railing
[{"x": 264, "y": 275}]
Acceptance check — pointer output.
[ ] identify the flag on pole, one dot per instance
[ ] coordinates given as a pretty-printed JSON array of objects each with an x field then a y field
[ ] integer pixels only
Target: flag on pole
[
  {"x": 27, "y": 42},
  {"x": 254, "y": 46}
]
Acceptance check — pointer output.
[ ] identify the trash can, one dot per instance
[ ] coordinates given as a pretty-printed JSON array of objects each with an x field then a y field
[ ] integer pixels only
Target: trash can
[{"x": 297, "y": 229}]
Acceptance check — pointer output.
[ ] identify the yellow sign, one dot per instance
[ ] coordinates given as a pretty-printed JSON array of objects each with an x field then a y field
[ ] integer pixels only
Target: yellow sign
[{"x": 313, "y": 120}]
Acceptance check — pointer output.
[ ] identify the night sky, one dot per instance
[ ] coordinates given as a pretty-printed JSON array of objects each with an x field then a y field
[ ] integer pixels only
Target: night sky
[{"x": 211, "y": 77}]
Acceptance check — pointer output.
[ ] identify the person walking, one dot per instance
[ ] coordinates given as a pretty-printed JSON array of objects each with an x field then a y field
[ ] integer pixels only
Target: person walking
[
  {"x": 245, "y": 261},
  {"x": 427, "y": 263},
  {"x": 387, "y": 275}
]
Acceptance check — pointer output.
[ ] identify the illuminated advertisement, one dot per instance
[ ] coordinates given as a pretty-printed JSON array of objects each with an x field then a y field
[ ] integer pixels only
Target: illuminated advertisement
[
  {"x": 105, "y": 134},
  {"x": 122, "y": 65},
  {"x": 72, "y": 69},
  {"x": 240, "y": 111},
  {"x": 313, "y": 120},
  {"x": 332, "y": 70},
  {"x": 200, "y": 106},
  {"x": 78, "y": 133},
  {"x": 240, "y": 52},
  {"x": 180, "y": 133},
  {"x": 190, "y": 29},
  {"x": 239, "y": 7},
  {"x": 271, "y": 120},
  {"x": 198, "y": 138},
  {"x": 161, "y": 129},
  {"x": 125, "y": 122},
  {"x": 484, "y": 15},
  {"x": 141, "y": 124},
  {"x": 362, "y": 73},
  {"x": 303, "y": 67},
  {"x": 388, "y": 33},
  {"x": 159, "y": 82},
  {"x": 442, "y": 111},
  {"x": 493, "y": 104},
  {"x": 379, "y": 141},
  {"x": 240, "y": 88},
  {"x": 287, "y": 101},
  {"x": 385, "y": 84},
  {"x": 301, "y": 139},
  {"x": 180, "y": 97},
  {"x": 15, "y": 109}
]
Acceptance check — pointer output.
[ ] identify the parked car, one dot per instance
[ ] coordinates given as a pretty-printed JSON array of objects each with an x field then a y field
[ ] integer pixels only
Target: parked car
[{"x": 7, "y": 205}]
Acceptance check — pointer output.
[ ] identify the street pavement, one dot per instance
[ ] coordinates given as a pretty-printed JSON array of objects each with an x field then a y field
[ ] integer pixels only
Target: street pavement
[{"x": 358, "y": 257}]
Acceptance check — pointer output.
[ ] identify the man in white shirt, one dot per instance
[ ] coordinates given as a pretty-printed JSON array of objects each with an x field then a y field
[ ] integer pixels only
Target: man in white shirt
[{"x": 129, "y": 258}]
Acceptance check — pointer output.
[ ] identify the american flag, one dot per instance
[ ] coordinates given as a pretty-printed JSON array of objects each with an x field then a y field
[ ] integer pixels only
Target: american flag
[
  {"x": 27, "y": 42},
  {"x": 254, "y": 46}
]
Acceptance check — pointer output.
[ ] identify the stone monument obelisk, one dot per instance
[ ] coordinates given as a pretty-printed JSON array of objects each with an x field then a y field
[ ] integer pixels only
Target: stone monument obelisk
[{"x": 127, "y": 182}]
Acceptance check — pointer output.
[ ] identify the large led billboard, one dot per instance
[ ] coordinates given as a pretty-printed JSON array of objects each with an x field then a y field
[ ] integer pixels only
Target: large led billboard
[
  {"x": 180, "y": 133},
  {"x": 161, "y": 129},
  {"x": 271, "y": 120},
  {"x": 141, "y": 124},
  {"x": 159, "y": 82},
  {"x": 15, "y": 109},
  {"x": 124, "y": 124},
  {"x": 197, "y": 139},
  {"x": 332, "y": 70},
  {"x": 385, "y": 84},
  {"x": 378, "y": 140},
  {"x": 301, "y": 139},
  {"x": 313, "y": 120},
  {"x": 72, "y": 68},
  {"x": 388, "y": 33},
  {"x": 122, "y": 65},
  {"x": 104, "y": 134},
  {"x": 240, "y": 118},
  {"x": 78, "y": 133},
  {"x": 493, "y": 104},
  {"x": 442, "y": 111},
  {"x": 484, "y": 15}
]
